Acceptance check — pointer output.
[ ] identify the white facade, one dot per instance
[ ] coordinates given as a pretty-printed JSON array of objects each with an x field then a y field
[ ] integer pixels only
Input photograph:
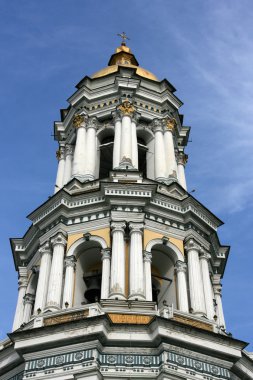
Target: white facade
[{"x": 121, "y": 257}]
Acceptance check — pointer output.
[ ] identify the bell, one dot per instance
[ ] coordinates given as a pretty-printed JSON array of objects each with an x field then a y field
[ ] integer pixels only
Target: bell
[{"x": 93, "y": 284}]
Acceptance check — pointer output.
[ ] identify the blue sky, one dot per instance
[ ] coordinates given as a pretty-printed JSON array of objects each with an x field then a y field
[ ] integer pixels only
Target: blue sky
[{"x": 204, "y": 48}]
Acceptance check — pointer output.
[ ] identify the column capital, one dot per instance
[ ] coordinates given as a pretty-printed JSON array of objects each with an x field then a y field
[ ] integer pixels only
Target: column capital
[
  {"x": 58, "y": 239},
  {"x": 106, "y": 254},
  {"x": 204, "y": 255},
  {"x": 70, "y": 261},
  {"x": 135, "y": 117},
  {"x": 60, "y": 153},
  {"x": 135, "y": 227},
  {"x": 182, "y": 158},
  {"x": 147, "y": 256},
  {"x": 157, "y": 125},
  {"x": 22, "y": 282},
  {"x": 45, "y": 248},
  {"x": 192, "y": 244},
  {"x": 69, "y": 149},
  {"x": 92, "y": 122},
  {"x": 116, "y": 116},
  {"x": 29, "y": 298},
  {"x": 118, "y": 226},
  {"x": 217, "y": 289},
  {"x": 126, "y": 108},
  {"x": 79, "y": 121},
  {"x": 169, "y": 124},
  {"x": 180, "y": 266}
]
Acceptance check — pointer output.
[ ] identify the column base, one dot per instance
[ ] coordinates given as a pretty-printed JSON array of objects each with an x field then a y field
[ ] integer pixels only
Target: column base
[
  {"x": 84, "y": 177},
  {"x": 126, "y": 164},
  {"x": 50, "y": 307},
  {"x": 136, "y": 297},
  {"x": 117, "y": 296},
  {"x": 199, "y": 313}
]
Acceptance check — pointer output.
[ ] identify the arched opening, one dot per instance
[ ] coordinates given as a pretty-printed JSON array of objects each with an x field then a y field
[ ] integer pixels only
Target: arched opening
[
  {"x": 88, "y": 273},
  {"x": 142, "y": 160},
  {"x": 106, "y": 155},
  {"x": 163, "y": 282},
  {"x": 145, "y": 140}
]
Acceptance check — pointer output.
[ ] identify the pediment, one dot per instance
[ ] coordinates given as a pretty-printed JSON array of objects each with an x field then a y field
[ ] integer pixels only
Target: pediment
[
  {"x": 76, "y": 187},
  {"x": 174, "y": 191}
]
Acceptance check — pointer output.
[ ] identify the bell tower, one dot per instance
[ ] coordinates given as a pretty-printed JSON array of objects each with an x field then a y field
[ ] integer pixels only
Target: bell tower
[{"x": 120, "y": 273}]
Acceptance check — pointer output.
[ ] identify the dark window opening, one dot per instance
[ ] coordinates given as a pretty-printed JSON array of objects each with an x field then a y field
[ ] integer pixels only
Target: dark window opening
[
  {"x": 106, "y": 155},
  {"x": 142, "y": 156}
]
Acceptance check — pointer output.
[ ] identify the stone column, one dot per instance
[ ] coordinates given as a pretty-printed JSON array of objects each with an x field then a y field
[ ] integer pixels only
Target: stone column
[
  {"x": 134, "y": 142},
  {"x": 147, "y": 256},
  {"x": 44, "y": 272},
  {"x": 56, "y": 274},
  {"x": 136, "y": 275},
  {"x": 195, "y": 278},
  {"x": 106, "y": 266},
  {"x": 68, "y": 163},
  {"x": 118, "y": 261},
  {"x": 219, "y": 308},
  {"x": 28, "y": 305},
  {"x": 117, "y": 140},
  {"x": 22, "y": 285},
  {"x": 208, "y": 291},
  {"x": 60, "y": 154},
  {"x": 126, "y": 158},
  {"x": 171, "y": 163},
  {"x": 79, "y": 161},
  {"x": 70, "y": 265},
  {"x": 182, "y": 160},
  {"x": 91, "y": 149},
  {"x": 160, "y": 160},
  {"x": 182, "y": 293}
]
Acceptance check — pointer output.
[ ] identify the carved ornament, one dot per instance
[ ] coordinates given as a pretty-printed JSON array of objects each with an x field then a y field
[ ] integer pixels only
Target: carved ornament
[
  {"x": 77, "y": 316},
  {"x": 126, "y": 108},
  {"x": 193, "y": 322},
  {"x": 131, "y": 319},
  {"x": 170, "y": 124},
  {"x": 78, "y": 120}
]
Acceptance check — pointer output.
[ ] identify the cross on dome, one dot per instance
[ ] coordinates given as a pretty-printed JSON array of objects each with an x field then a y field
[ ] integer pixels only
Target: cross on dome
[{"x": 124, "y": 38}]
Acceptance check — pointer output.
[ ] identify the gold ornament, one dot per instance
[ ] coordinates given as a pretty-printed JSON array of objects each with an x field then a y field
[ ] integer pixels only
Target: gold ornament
[
  {"x": 170, "y": 124},
  {"x": 58, "y": 154},
  {"x": 126, "y": 108},
  {"x": 78, "y": 120}
]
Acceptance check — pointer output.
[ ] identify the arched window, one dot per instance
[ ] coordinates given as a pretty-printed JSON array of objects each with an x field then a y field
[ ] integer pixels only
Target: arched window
[
  {"x": 106, "y": 156},
  {"x": 88, "y": 273},
  {"x": 163, "y": 284}
]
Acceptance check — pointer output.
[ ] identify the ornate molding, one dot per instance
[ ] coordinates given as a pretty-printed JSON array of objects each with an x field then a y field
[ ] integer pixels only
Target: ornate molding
[
  {"x": 92, "y": 123},
  {"x": 118, "y": 226},
  {"x": 45, "y": 248},
  {"x": 106, "y": 254},
  {"x": 182, "y": 158},
  {"x": 59, "y": 239},
  {"x": 70, "y": 261},
  {"x": 69, "y": 149},
  {"x": 157, "y": 125},
  {"x": 180, "y": 266},
  {"x": 170, "y": 124},
  {"x": 147, "y": 256},
  {"x": 78, "y": 121},
  {"x": 191, "y": 244},
  {"x": 136, "y": 227},
  {"x": 126, "y": 108},
  {"x": 204, "y": 255},
  {"x": 60, "y": 153},
  {"x": 131, "y": 362}
]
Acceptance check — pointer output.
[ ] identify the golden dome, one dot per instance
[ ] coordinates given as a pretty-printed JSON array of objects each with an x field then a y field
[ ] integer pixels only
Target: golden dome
[{"x": 123, "y": 57}]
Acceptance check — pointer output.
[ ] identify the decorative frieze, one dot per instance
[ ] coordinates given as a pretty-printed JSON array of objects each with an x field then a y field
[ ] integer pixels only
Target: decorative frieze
[{"x": 115, "y": 362}]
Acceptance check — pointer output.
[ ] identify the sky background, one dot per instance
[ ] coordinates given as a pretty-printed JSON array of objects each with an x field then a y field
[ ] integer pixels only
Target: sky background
[{"x": 204, "y": 48}]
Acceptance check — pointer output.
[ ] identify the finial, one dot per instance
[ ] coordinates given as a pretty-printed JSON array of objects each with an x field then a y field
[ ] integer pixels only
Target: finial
[{"x": 124, "y": 38}]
